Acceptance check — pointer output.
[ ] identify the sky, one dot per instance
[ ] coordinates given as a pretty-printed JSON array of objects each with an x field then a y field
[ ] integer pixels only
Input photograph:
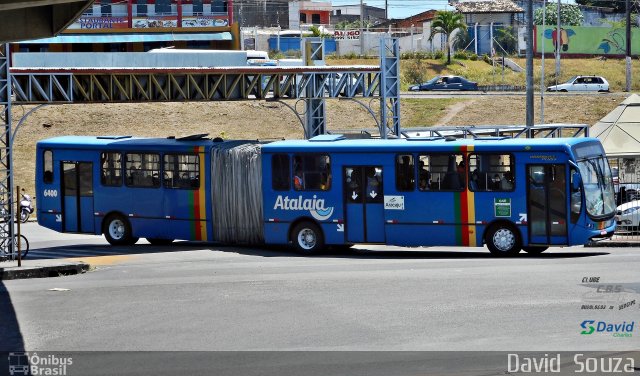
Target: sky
[{"x": 401, "y": 8}]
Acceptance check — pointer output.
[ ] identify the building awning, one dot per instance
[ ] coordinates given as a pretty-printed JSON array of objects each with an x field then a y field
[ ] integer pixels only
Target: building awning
[{"x": 130, "y": 38}]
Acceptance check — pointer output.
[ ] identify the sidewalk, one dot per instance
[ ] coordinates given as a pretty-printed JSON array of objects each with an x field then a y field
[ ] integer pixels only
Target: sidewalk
[
  {"x": 614, "y": 243},
  {"x": 40, "y": 268}
]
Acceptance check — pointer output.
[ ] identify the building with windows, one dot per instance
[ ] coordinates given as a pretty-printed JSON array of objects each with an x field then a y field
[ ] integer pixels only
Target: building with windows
[
  {"x": 308, "y": 13},
  {"x": 141, "y": 25},
  {"x": 351, "y": 13}
]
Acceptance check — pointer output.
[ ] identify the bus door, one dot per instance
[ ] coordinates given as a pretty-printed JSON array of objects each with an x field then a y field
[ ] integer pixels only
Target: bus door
[
  {"x": 364, "y": 203},
  {"x": 77, "y": 200},
  {"x": 547, "y": 204}
]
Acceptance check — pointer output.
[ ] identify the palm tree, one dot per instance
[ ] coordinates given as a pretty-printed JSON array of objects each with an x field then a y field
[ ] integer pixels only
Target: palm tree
[{"x": 446, "y": 22}]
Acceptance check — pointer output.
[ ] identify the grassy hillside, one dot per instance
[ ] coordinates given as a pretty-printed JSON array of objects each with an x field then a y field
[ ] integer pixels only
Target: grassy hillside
[{"x": 413, "y": 70}]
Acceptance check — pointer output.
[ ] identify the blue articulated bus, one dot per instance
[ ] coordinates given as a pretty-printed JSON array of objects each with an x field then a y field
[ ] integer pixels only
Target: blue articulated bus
[{"x": 510, "y": 194}]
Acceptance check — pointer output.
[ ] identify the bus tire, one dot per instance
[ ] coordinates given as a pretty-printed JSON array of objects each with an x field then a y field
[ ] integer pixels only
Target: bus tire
[
  {"x": 117, "y": 230},
  {"x": 503, "y": 240},
  {"x": 307, "y": 238},
  {"x": 535, "y": 250},
  {"x": 157, "y": 241}
]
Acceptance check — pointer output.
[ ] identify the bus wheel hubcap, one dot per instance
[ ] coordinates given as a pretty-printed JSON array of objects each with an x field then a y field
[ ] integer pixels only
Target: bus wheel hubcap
[
  {"x": 307, "y": 239},
  {"x": 116, "y": 229},
  {"x": 504, "y": 239}
]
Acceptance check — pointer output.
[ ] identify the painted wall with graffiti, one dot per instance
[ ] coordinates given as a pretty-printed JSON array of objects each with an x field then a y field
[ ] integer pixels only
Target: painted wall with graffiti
[{"x": 582, "y": 40}]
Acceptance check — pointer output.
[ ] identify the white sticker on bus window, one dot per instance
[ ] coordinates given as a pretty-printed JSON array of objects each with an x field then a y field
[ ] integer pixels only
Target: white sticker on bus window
[{"x": 394, "y": 202}]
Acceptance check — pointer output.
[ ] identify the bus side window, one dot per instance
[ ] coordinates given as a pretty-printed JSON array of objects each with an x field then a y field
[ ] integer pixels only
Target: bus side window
[
  {"x": 280, "y": 172},
  {"x": 111, "y": 169},
  {"x": 491, "y": 172},
  {"x": 47, "y": 167},
  {"x": 180, "y": 171},
  {"x": 576, "y": 195},
  {"x": 443, "y": 171},
  {"x": 140, "y": 170},
  {"x": 311, "y": 172},
  {"x": 405, "y": 173}
]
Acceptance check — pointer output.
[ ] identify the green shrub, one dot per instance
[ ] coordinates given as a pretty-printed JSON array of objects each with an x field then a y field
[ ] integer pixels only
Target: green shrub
[
  {"x": 460, "y": 55},
  {"x": 414, "y": 72},
  {"x": 438, "y": 54}
]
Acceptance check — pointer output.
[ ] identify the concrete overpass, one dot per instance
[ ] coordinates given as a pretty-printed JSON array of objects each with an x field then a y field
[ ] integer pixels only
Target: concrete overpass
[{"x": 32, "y": 19}]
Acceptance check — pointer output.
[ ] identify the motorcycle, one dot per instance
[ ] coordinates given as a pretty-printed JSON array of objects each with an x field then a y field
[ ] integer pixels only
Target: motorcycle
[{"x": 26, "y": 207}]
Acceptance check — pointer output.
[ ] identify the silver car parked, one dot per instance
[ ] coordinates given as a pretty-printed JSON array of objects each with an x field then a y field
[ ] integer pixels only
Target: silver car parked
[{"x": 583, "y": 83}]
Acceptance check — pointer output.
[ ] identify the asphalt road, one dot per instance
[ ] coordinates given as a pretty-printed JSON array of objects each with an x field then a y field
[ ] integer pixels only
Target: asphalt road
[
  {"x": 208, "y": 297},
  {"x": 480, "y": 94}
]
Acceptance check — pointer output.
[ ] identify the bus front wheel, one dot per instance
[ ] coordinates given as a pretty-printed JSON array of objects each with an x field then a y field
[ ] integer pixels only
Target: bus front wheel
[
  {"x": 307, "y": 238},
  {"x": 117, "y": 231},
  {"x": 503, "y": 240}
]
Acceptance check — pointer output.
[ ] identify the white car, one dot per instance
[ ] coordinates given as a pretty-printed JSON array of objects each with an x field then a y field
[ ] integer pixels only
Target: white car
[
  {"x": 628, "y": 216},
  {"x": 583, "y": 83}
]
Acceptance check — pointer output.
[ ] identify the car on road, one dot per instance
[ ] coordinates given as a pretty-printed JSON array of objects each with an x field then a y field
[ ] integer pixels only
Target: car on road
[
  {"x": 583, "y": 83},
  {"x": 446, "y": 83},
  {"x": 628, "y": 216}
]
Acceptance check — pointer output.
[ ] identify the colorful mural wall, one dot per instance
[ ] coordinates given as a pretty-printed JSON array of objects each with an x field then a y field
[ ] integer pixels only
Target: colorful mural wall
[{"x": 582, "y": 40}]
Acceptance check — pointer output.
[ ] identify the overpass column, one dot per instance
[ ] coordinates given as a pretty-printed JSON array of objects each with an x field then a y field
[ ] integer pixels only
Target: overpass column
[
  {"x": 389, "y": 87},
  {"x": 315, "y": 109},
  {"x": 6, "y": 175}
]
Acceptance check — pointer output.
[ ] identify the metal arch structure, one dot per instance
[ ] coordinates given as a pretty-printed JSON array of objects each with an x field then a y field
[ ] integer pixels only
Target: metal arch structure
[
  {"x": 500, "y": 131},
  {"x": 93, "y": 85},
  {"x": 313, "y": 84}
]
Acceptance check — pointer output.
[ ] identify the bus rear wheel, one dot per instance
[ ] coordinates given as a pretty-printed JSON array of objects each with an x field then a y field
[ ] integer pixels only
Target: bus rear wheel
[
  {"x": 503, "y": 240},
  {"x": 156, "y": 241},
  {"x": 117, "y": 231},
  {"x": 534, "y": 250},
  {"x": 307, "y": 238}
]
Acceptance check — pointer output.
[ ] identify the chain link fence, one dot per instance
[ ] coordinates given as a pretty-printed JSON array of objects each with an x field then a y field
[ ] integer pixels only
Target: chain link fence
[{"x": 626, "y": 179}]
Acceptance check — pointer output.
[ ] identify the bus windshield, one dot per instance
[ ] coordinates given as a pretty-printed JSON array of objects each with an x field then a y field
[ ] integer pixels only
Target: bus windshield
[{"x": 598, "y": 186}]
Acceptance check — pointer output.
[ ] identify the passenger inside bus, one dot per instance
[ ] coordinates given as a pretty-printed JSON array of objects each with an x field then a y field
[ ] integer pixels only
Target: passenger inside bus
[
  {"x": 506, "y": 183},
  {"x": 325, "y": 178},
  {"x": 298, "y": 182},
  {"x": 424, "y": 177},
  {"x": 451, "y": 178}
]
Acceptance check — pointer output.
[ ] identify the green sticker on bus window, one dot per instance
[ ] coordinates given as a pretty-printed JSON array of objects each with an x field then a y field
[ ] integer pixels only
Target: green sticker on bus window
[{"x": 502, "y": 207}]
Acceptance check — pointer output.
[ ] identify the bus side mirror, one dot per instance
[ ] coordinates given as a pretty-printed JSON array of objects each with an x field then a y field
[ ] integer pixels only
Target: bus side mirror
[{"x": 576, "y": 181}]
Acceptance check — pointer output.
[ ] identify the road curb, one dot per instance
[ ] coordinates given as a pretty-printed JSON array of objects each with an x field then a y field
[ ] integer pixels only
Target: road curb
[
  {"x": 612, "y": 244},
  {"x": 43, "y": 271}
]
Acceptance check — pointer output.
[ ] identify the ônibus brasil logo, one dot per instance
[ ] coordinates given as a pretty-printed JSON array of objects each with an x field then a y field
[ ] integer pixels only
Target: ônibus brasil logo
[
  {"x": 314, "y": 205},
  {"x": 622, "y": 329}
]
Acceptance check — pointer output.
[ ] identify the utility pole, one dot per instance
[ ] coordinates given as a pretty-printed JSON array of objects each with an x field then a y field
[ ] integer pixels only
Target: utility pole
[
  {"x": 628, "y": 32},
  {"x": 542, "y": 86},
  {"x": 529, "y": 63},
  {"x": 558, "y": 38},
  {"x": 361, "y": 27},
  {"x": 386, "y": 9}
]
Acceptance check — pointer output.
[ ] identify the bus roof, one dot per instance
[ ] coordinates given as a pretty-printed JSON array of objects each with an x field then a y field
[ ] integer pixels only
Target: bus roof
[
  {"x": 338, "y": 144},
  {"x": 97, "y": 142}
]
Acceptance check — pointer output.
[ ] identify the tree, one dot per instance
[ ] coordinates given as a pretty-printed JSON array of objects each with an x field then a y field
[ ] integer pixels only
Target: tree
[
  {"x": 505, "y": 40},
  {"x": 446, "y": 22},
  {"x": 316, "y": 32},
  {"x": 616, "y": 5},
  {"x": 570, "y": 15},
  {"x": 462, "y": 41}
]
